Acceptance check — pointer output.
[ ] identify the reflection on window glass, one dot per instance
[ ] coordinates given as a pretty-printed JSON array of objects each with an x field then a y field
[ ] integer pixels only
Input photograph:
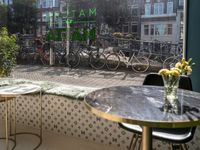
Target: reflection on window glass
[{"x": 84, "y": 21}]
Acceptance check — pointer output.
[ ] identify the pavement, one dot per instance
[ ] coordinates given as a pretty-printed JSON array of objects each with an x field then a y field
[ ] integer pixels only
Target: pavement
[{"x": 79, "y": 76}]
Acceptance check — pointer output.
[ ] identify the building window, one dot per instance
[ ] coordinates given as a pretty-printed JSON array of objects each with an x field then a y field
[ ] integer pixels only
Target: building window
[
  {"x": 134, "y": 28},
  {"x": 160, "y": 29},
  {"x": 158, "y": 8},
  {"x": 50, "y": 3},
  {"x": 170, "y": 7},
  {"x": 43, "y": 4},
  {"x": 147, "y": 9},
  {"x": 152, "y": 29},
  {"x": 135, "y": 12},
  {"x": 169, "y": 29},
  {"x": 125, "y": 27},
  {"x": 181, "y": 2},
  {"x": 146, "y": 29},
  {"x": 44, "y": 17}
]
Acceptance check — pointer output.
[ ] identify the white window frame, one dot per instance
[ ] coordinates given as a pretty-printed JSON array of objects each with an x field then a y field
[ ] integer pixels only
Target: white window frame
[{"x": 170, "y": 7}]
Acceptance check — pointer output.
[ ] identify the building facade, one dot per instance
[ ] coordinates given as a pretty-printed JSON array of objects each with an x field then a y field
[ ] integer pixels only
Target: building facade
[
  {"x": 162, "y": 20},
  {"x": 132, "y": 24},
  {"x": 48, "y": 16}
]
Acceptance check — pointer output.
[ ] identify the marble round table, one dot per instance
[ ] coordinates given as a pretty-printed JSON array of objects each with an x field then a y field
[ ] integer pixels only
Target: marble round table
[
  {"x": 142, "y": 105},
  {"x": 8, "y": 93}
]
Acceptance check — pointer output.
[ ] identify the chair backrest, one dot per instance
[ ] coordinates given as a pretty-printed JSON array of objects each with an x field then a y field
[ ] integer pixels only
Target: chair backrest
[
  {"x": 184, "y": 83},
  {"x": 156, "y": 79}
]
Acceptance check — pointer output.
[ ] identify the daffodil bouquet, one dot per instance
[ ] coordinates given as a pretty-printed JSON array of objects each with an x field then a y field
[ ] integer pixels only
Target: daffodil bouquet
[
  {"x": 171, "y": 82},
  {"x": 182, "y": 67}
]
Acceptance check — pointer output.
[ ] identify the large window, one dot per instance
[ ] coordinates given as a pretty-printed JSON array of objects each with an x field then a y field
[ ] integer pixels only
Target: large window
[
  {"x": 158, "y": 8},
  {"x": 83, "y": 21},
  {"x": 148, "y": 9},
  {"x": 158, "y": 29}
]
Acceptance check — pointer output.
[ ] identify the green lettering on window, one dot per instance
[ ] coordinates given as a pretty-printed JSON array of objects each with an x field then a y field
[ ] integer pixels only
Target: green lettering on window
[
  {"x": 92, "y": 11},
  {"x": 82, "y": 13}
]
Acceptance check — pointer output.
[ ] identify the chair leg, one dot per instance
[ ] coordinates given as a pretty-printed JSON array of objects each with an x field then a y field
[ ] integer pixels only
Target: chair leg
[
  {"x": 132, "y": 141},
  {"x": 139, "y": 144},
  {"x": 184, "y": 147},
  {"x": 176, "y": 146}
]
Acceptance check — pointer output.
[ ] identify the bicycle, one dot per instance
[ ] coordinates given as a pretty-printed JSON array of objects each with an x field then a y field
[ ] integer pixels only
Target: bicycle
[
  {"x": 138, "y": 64},
  {"x": 171, "y": 61},
  {"x": 42, "y": 53},
  {"x": 95, "y": 58},
  {"x": 61, "y": 57}
]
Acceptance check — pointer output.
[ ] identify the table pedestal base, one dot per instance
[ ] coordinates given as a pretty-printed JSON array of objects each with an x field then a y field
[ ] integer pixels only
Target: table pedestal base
[{"x": 146, "y": 138}]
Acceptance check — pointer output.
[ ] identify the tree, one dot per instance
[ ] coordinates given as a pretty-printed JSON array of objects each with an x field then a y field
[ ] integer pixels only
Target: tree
[
  {"x": 23, "y": 17},
  {"x": 8, "y": 51},
  {"x": 111, "y": 12},
  {"x": 3, "y": 15}
]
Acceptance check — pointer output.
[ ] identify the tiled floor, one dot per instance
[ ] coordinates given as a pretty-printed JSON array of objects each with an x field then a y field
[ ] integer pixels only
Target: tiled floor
[{"x": 54, "y": 142}]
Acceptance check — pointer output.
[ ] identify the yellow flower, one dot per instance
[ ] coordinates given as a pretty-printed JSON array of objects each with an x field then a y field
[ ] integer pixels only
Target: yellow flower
[
  {"x": 178, "y": 65},
  {"x": 175, "y": 72},
  {"x": 189, "y": 70},
  {"x": 164, "y": 72},
  {"x": 183, "y": 60},
  {"x": 181, "y": 68}
]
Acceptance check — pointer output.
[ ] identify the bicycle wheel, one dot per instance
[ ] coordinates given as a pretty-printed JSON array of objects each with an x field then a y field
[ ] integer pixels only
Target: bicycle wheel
[
  {"x": 170, "y": 62},
  {"x": 73, "y": 59},
  {"x": 45, "y": 58},
  {"x": 140, "y": 64},
  {"x": 144, "y": 52},
  {"x": 97, "y": 60},
  {"x": 112, "y": 61}
]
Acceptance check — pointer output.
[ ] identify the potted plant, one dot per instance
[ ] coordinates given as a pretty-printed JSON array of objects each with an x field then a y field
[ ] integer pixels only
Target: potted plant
[{"x": 8, "y": 51}]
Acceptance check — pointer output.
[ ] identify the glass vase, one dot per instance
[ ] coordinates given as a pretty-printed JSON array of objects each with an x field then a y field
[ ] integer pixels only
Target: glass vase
[{"x": 170, "y": 94}]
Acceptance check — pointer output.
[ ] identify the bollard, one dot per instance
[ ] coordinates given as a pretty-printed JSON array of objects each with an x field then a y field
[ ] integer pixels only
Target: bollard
[{"x": 52, "y": 57}]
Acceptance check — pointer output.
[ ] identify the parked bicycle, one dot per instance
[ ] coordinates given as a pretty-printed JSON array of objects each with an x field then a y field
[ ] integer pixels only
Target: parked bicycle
[
  {"x": 138, "y": 64},
  {"x": 91, "y": 54},
  {"x": 171, "y": 61},
  {"x": 42, "y": 53},
  {"x": 61, "y": 57}
]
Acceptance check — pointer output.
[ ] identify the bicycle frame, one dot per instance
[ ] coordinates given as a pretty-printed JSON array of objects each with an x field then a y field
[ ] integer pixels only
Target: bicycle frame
[{"x": 128, "y": 61}]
